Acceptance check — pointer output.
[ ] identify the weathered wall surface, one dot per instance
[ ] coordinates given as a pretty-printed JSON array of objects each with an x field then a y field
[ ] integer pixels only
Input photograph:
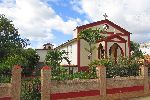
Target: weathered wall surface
[
  {"x": 116, "y": 88},
  {"x": 42, "y": 54},
  {"x": 74, "y": 86},
  {"x": 5, "y": 90},
  {"x": 124, "y": 82}
]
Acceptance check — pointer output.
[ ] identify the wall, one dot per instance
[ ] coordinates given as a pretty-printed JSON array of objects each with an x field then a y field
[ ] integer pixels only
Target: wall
[
  {"x": 90, "y": 89},
  {"x": 42, "y": 53},
  {"x": 74, "y": 89},
  {"x": 71, "y": 48},
  {"x": 124, "y": 82},
  {"x": 84, "y": 61},
  {"x": 12, "y": 90},
  {"x": 74, "y": 85},
  {"x": 5, "y": 90},
  {"x": 101, "y": 88}
]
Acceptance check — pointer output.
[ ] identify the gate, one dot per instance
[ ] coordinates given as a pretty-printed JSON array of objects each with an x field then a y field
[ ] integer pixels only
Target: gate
[{"x": 31, "y": 88}]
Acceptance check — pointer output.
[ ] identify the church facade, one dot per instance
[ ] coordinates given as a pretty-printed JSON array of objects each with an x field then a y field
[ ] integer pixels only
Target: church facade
[{"x": 116, "y": 43}]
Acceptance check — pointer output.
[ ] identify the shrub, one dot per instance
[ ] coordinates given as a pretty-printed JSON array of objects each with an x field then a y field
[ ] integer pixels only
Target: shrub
[
  {"x": 77, "y": 75},
  {"x": 124, "y": 67},
  {"x": 31, "y": 88}
]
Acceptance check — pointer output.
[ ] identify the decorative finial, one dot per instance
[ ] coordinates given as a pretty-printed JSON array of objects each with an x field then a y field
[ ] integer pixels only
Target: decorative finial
[{"x": 105, "y": 16}]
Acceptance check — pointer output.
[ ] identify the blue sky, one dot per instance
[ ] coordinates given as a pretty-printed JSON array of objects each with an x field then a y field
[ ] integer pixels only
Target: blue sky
[{"x": 53, "y": 21}]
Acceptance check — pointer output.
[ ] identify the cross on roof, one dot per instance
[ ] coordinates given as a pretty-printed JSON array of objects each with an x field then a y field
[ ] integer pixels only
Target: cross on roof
[{"x": 105, "y": 16}]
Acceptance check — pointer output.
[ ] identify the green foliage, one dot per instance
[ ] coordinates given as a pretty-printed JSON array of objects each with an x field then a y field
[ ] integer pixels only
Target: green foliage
[
  {"x": 32, "y": 59},
  {"x": 27, "y": 58},
  {"x": 124, "y": 67},
  {"x": 135, "y": 49},
  {"x": 5, "y": 78},
  {"x": 12, "y": 46},
  {"x": 78, "y": 75},
  {"x": 91, "y": 36},
  {"x": 31, "y": 56},
  {"x": 65, "y": 75},
  {"x": 54, "y": 58},
  {"x": 31, "y": 89},
  {"x": 7, "y": 64},
  {"x": 12, "y": 60},
  {"x": 10, "y": 40}
]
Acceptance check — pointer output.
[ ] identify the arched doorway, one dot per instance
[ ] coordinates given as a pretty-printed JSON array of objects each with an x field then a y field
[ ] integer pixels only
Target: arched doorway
[
  {"x": 115, "y": 51},
  {"x": 100, "y": 51}
]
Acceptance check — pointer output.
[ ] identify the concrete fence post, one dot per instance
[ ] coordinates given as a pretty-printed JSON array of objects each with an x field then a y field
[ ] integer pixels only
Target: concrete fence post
[
  {"x": 144, "y": 73},
  {"x": 101, "y": 73},
  {"x": 45, "y": 83},
  {"x": 16, "y": 83}
]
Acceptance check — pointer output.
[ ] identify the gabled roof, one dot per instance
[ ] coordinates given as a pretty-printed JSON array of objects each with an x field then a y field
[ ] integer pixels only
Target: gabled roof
[
  {"x": 66, "y": 43},
  {"x": 106, "y": 21},
  {"x": 109, "y": 38}
]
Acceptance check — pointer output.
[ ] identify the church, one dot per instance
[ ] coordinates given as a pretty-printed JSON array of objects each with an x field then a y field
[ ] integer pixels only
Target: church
[{"x": 116, "y": 43}]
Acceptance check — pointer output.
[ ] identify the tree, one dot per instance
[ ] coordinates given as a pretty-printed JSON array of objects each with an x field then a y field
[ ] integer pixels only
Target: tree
[
  {"x": 9, "y": 62},
  {"x": 135, "y": 50},
  {"x": 10, "y": 40},
  {"x": 54, "y": 58},
  {"x": 12, "y": 48},
  {"x": 90, "y": 36},
  {"x": 32, "y": 59},
  {"x": 28, "y": 59},
  {"x": 31, "y": 56}
]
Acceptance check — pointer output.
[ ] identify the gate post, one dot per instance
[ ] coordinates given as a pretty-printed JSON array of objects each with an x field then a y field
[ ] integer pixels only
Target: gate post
[
  {"x": 45, "y": 83},
  {"x": 16, "y": 83},
  {"x": 144, "y": 72},
  {"x": 101, "y": 73}
]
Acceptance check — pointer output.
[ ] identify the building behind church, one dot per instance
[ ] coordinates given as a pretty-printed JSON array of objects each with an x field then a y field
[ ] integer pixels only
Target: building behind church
[{"x": 43, "y": 52}]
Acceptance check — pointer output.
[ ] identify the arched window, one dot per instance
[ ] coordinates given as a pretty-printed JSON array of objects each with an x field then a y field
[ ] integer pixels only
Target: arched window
[
  {"x": 115, "y": 51},
  {"x": 100, "y": 51},
  {"x": 49, "y": 47}
]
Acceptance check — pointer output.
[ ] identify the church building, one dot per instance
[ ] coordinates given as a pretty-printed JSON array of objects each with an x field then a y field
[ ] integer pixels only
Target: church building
[{"x": 116, "y": 43}]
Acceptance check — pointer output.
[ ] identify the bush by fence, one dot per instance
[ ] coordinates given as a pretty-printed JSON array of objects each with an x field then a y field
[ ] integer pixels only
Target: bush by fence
[
  {"x": 31, "y": 88},
  {"x": 123, "y": 67}
]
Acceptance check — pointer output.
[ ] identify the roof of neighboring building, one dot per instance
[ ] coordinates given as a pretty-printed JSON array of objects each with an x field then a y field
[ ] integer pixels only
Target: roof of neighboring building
[
  {"x": 64, "y": 44},
  {"x": 48, "y": 44},
  {"x": 106, "y": 21},
  {"x": 145, "y": 45},
  {"x": 42, "y": 49}
]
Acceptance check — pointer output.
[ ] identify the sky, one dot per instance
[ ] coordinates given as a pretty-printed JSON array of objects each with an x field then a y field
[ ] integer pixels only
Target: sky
[{"x": 53, "y": 21}]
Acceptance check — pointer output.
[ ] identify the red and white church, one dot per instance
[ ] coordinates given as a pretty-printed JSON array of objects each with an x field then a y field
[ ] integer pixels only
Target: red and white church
[{"x": 116, "y": 43}]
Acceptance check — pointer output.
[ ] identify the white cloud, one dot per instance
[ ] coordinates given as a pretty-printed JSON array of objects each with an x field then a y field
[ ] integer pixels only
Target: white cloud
[
  {"x": 36, "y": 20},
  {"x": 76, "y": 6},
  {"x": 133, "y": 15}
]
